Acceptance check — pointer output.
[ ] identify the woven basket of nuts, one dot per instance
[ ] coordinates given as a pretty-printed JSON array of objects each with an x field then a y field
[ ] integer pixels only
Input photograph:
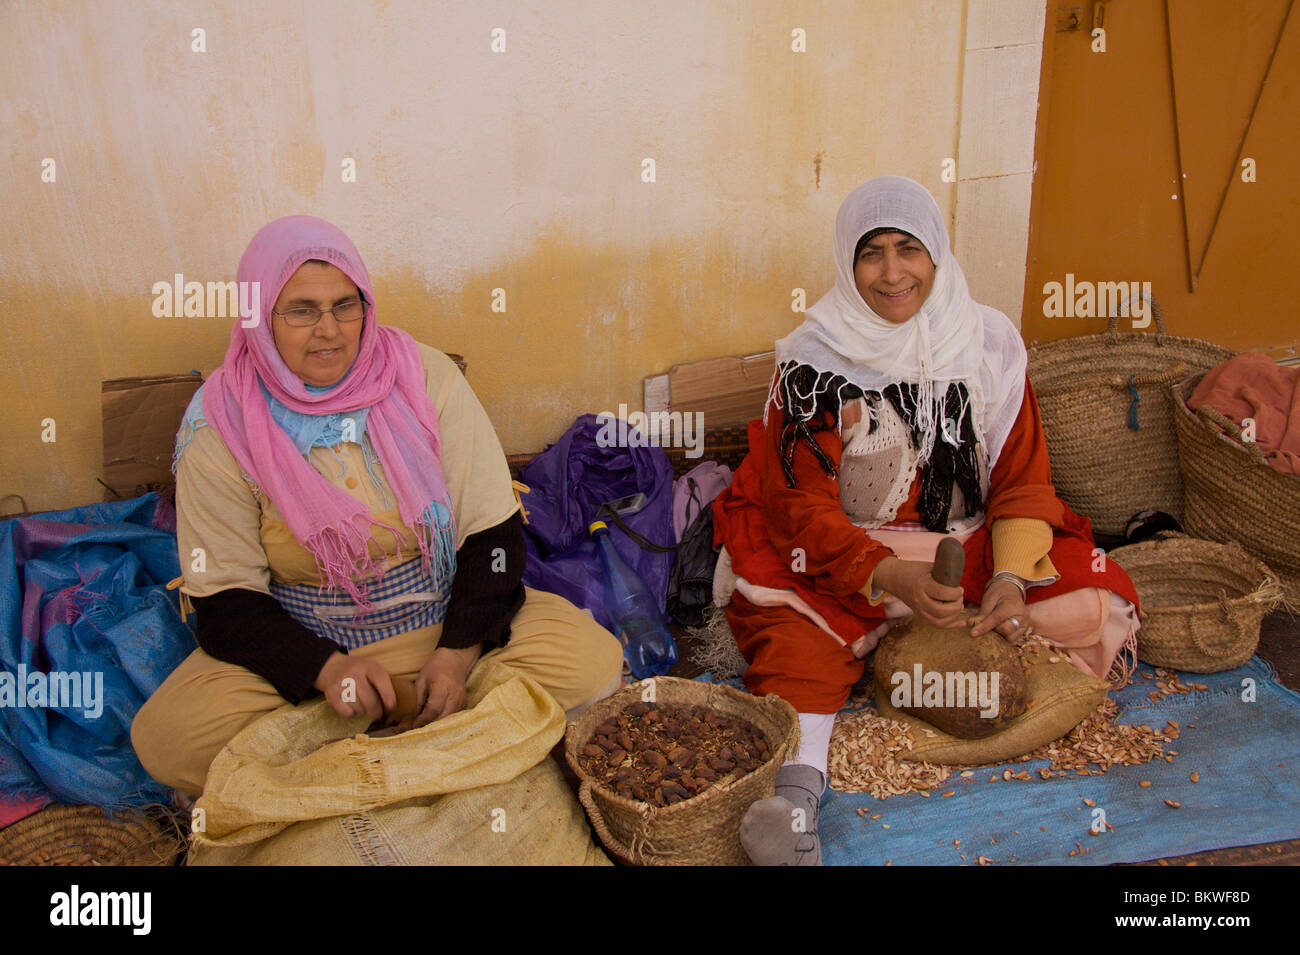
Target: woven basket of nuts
[{"x": 669, "y": 766}]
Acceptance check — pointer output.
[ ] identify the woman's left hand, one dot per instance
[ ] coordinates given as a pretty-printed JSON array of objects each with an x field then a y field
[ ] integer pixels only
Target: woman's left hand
[
  {"x": 1003, "y": 610},
  {"x": 440, "y": 686}
]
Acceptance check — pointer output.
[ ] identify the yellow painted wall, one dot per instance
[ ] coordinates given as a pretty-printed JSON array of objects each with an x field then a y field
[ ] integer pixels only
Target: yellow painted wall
[{"x": 476, "y": 170}]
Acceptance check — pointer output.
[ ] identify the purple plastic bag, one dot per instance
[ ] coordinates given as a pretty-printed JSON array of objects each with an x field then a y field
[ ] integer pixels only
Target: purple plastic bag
[{"x": 568, "y": 482}]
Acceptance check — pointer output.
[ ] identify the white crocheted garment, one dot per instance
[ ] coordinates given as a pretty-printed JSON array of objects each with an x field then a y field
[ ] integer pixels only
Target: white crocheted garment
[{"x": 879, "y": 464}]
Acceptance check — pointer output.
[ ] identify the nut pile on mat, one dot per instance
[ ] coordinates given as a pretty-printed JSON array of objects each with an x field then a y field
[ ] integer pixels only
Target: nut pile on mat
[{"x": 664, "y": 754}]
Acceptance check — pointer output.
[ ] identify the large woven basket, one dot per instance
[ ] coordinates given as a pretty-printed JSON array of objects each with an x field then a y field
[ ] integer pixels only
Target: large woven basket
[
  {"x": 86, "y": 835},
  {"x": 1102, "y": 467},
  {"x": 704, "y": 830},
  {"x": 1202, "y": 602},
  {"x": 1233, "y": 494}
]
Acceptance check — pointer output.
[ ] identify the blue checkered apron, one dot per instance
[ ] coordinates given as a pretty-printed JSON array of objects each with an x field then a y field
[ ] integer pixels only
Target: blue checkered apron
[{"x": 404, "y": 600}]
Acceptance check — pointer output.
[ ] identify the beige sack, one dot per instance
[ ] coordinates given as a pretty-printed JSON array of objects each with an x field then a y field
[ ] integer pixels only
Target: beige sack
[
  {"x": 1060, "y": 697},
  {"x": 297, "y": 788}
]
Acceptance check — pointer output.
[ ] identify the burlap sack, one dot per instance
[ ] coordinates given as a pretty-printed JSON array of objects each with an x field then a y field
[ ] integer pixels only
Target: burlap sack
[
  {"x": 298, "y": 788},
  {"x": 1060, "y": 696},
  {"x": 914, "y": 642}
]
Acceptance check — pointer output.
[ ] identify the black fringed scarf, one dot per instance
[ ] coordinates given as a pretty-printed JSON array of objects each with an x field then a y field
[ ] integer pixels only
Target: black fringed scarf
[{"x": 809, "y": 397}]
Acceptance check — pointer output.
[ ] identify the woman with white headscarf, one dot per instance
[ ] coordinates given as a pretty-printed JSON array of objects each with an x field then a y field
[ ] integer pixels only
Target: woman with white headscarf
[{"x": 900, "y": 413}]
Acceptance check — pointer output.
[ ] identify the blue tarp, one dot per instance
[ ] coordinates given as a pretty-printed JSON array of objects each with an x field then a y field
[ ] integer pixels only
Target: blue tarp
[
  {"x": 1246, "y": 754},
  {"x": 82, "y": 592}
]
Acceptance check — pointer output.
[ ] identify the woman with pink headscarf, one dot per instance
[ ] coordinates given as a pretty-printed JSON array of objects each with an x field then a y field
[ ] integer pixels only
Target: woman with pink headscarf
[{"x": 345, "y": 516}]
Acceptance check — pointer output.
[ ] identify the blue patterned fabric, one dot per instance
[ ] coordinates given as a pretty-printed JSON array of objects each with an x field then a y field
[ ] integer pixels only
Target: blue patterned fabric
[
  {"x": 405, "y": 599},
  {"x": 83, "y": 593}
]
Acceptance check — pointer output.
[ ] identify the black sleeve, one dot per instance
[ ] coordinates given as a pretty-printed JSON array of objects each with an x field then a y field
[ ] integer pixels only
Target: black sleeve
[
  {"x": 252, "y": 630},
  {"x": 488, "y": 588}
]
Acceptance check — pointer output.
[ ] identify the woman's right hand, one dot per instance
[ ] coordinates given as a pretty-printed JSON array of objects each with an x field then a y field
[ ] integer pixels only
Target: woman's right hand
[
  {"x": 912, "y": 582},
  {"x": 371, "y": 690}
]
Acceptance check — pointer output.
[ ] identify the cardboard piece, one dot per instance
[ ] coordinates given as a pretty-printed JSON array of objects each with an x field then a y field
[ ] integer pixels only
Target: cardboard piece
[
  {"x": 727, "y": 391},
  {"x": 141, "y": 416}
]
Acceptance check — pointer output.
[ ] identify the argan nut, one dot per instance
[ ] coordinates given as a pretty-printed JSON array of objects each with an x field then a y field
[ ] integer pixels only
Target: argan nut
[
  {"x": 655, "y": 758},
  {"x": 591, "y": 749},
  {"x": 672, "y": 789},
  {"x": 606, "y": 729},
  {"x": 624, "y": 741},
  {"x": 616, "y": 756}
]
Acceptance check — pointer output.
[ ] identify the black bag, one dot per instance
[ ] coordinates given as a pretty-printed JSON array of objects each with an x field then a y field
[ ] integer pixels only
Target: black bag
[{"x": 690, "y": 584}]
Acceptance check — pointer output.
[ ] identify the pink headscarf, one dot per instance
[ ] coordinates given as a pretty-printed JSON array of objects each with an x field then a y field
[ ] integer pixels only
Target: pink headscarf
[{"x": 387, "y": 377}]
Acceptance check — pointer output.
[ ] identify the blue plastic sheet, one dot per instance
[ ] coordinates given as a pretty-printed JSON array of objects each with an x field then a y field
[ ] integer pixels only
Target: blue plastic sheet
[
  {"x": 1241, "y": 736},
  {"x": 88, "y": 631},
  {"x": 568, "y": 482}
]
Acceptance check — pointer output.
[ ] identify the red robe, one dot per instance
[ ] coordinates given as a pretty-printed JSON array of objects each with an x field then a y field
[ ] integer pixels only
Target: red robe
[{"x": 761, "y": 521}]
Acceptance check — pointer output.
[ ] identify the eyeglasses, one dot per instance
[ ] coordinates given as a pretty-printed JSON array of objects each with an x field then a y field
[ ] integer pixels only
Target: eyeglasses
[{"x": 344, "y": 312}]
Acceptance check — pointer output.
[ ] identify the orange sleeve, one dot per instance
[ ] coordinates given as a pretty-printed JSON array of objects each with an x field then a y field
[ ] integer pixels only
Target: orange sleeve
[
  {"x": 806, "y": 523},
  {"x": 1020, "y": 484}
]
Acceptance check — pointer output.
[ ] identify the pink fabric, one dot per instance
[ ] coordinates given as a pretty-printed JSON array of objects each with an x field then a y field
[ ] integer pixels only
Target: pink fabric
[
  {"x": 387, "y": 377},
  {"x": 710, "y": 478},
  {"x": 1252, "y": 385},
  {"x": 1091, "y": 625},
  {"x": 12, "y": 811}
]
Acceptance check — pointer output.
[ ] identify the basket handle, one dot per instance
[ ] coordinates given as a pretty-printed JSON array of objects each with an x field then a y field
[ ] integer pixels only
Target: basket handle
[
  {"x": 1112, "y": 323},
  {"x": 598, "y": 823},
  {"x": 1215, "y": 420},
  {"x": 1175, "y": 372},
  {"x": 1233, "y": 620},
  {"x": 641, "y": 845}
]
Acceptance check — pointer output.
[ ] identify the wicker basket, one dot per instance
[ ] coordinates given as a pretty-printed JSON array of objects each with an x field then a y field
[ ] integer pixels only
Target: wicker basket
[
  {"x": 1202, "y": 602},
  {"x": 704, "y": 830},
  {"x": 1233, "y": 494},
  {"x": 1101, "y": 467},
  {"x": 86, "y": 835}
]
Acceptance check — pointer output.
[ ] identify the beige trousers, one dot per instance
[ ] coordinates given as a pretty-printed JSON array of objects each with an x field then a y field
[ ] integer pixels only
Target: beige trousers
[{"x": 205, "y": 703}]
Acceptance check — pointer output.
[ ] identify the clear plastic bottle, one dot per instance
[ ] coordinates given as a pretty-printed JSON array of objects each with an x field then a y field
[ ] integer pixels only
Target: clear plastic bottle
[{"x": 638, "y": 622}]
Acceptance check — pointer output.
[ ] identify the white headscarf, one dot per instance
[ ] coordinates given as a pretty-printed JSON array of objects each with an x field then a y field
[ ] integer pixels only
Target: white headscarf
[{"x": 951, "y": 338}]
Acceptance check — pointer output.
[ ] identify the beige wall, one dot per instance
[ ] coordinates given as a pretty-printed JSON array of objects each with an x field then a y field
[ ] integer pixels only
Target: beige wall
[{"x": 478, "y": 170}]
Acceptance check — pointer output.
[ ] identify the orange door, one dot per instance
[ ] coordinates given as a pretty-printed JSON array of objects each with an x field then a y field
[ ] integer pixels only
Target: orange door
[{"x": 1169, "y": 158}]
